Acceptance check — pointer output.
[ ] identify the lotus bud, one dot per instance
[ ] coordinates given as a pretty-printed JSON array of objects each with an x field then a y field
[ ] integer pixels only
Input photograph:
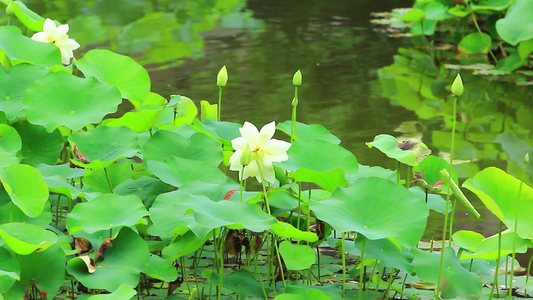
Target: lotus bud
[
  {"x": 457, "y": 86},
  {"x": 294, "y": 102},
  {"x": 10, "y": 9},
  {"x": 297, "y": 78},
  {"x": 526, "y": 159},
  {"x": 222, "y": 77},
  {"x": 246, "y": 156}
]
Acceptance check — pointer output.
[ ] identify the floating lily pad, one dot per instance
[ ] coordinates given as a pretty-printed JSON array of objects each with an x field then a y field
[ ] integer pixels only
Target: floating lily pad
[
  {"x": 26, "y": 188},
  {"x": 106, "y": 212},
  {"x": 122, "y": 71},
  {"x": 63, "y": 99},
  {"x": 376, "y": 208}
]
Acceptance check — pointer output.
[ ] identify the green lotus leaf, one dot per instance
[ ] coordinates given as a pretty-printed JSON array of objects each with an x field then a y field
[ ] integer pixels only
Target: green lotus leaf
[
  {"x": 223, "y": 130},
  {"x": 38, "y": 146},
  {"x": 475, "y": 42},
  {"x": 105, "y": 180},
  {"x": 208, "y": 111},
  {"x": 304, "y": 295},
  {"x": 183, "y": 111},
  {"x": 183, "y": 245},
  {"x": 10, "y": 213},
  {"x": 14, "y": 84},
  {"x": 297, "y": 257},
  {"x": 27, "y": 17},
  {"x": 497, "y": 5},
  {"x": 430, "y": 169},
  {"x": 24, "y": 238},
  {"x": 242, "y": 282},
  {"x": 456, "y": 281},
  {"x": 57, "y": 178},
  {"x": 103, "y": 145},
  {"x": 286, "y": 230},
  {"x": 515, "y": 148},
  {"x": 525, "y": 48},
  {"x": 121, "y": 264},
  {"x": 45, "y": 268},
  {"x": 124, "y": 291},
  {"x": 388, "y": 253},
  {"x": 178, "y": 171},
  {"x": 499, "y": 192},
  {"x": 10, "y": 144},
  {"x": 281, "y": 201},
  {"x": 309, "y": 132},
  {"x": 516, "y": 25},
  {"x": 436, "y": 11},
  {"x": 331, "y": 169},
  {"x": 487, "y": 248},
  {"x": 374, "y": 207},
  {"x": 434, "y": 201},
  {"x": 122, "y": 71},
  {"x": 9, "y": 270},
  {"x": 322, "y": 292},
  {"x": 161, "y": 269},
  {"x": 63, "y": 99},
  {"x": 145, "y": 187},
  {"x": 106, "y": 212},
  {"x": 26, "y": 188},
  {"x": 414, "y": 15},
  {"x": 138, "y": 121},
  {"x": 164, "y": 144},
  {"x": 389, "y": 146},
  {"x": 20, "y": 48}
]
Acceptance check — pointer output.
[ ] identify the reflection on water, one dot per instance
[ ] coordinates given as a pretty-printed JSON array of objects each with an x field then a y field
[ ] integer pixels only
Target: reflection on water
[{"x": 356, "y": 82}]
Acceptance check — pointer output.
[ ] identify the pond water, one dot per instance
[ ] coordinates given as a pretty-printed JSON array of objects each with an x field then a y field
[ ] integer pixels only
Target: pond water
[{"x": 354, "y": 81}]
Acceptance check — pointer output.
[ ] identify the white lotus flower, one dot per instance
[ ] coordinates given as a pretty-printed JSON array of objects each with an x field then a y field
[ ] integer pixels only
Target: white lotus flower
[
  {"x": 262, "y": 151},
  {"x": 58, "y": 36}
]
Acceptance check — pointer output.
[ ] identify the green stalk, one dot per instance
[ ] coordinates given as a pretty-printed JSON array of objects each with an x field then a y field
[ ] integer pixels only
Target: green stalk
[
  {"x": 495, "y": 281},
  {"x": 362, "y": 270},
  {"x": 479, "y": 31},
  {"x": 454, "y": 204},
  {"x": 380, "y": 273},
  {"x": 343, "y": 255},
  {"x": 256, "y": 269},
  {"x": 516, "y": 227},
  {"x": 221, "y": 266},
  {"x": 219, "y": 108},
  {"x": 447, "y": 199},
  {"x": 528, "y": 270},
  {"x": 293, "y": 117},
  {"x": 108, "y": 181}
]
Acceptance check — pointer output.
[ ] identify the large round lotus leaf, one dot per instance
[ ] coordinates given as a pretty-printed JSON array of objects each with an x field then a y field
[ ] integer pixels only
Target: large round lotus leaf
[
  {"x": 103, "y": 145},
  {"x": 124, "y": 291},
  {"x": 456, "y": 281},
  {"x": 38, "y": 146},
  {"x": 377, "y": 208},
  {"x": 9, "y": 270},
  {"x": 105, "y": 180},
  {"x": 106, "y": 212},
  {"x": 186, "y": 112},
  {"x": 26, "y": 16},
  {"x": 414, "y": 15},
  {"x": 46, "y": 268},
  {"x": 309, "y": 132},
  {"x": 161, "y": 269},
  {"x": 242, "y": 282},
  {"x": 491, "y": 5},
  {"x": 286, "y": 230},
  {"x": 320, "y": 162},
  {"x": 517, "y": 25},
  {"x": 332, "y": 291},
  {"x": 14, "y": 84},
  {"x": 223, "y": 130},
  {"x": 122, "y": 263},
  {"x": 177, "y": 171},
  {"x": 489, "y": 248},
  {"x": 26, "y": 187},
  {"x": 297, "y": 257},
  {"x": 138, "y": 121},
  {"x": 24, "y": 238},
  {"x": 119, "y": 70},
  {"x": 146, "y": 187},
  {"x": 10, "y": 144},
  {"x": 390, "y": 146},
  {"x": 215, "y": 191},
  {"x": 430, "y": 169},
  {"x": 63, "y": 99},
  {"x": 199, "y": 147},
  {"x": 20, "y": 48},
  {"x": 183, "y": 245},
  {"x": 475, "y": 42},
  {"x": 11, "y": 213},
  {"x": 57, "y": 178},
  {"x": 388, "y": 254},
  {"x": 499, "y": 192},
  {"x": 201, "y": 215}
]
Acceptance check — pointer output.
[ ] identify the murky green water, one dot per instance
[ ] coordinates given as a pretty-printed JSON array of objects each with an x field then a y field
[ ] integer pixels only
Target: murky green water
[{"x": 345, "y": 85}]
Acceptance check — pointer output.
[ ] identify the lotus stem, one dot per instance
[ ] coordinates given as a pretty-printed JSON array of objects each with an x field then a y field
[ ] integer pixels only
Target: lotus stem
[
  {"x": 343, "y": 255},
  {"x": 380, "y": 273},
  {"x": 362, "y": 270},
  {"x": 108, "y": 181},
  {"x": 495, "y": 281},
  {"x": 527, "y": 275},
  {"x": 219, "y": 107},
  {"x": 515, "y": 230}
]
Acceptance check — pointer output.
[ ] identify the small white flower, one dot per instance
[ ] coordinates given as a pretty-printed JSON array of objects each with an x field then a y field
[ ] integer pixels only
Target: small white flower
[
  {"x": 263, "y": 149},
  {"x": 58, "y": 36}
]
